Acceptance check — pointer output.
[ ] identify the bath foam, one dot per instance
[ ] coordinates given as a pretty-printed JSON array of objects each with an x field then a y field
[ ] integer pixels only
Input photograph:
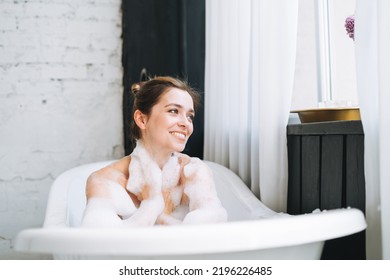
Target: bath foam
[
  {"x": 197, "y": 184},
  {"x": 106, "y": 211},
  {"x": 101, "y": 213},
  {"x": 161, "y": 192},
  {"x": 145, "y": 181},
  {"x": 204, "y": 204}
]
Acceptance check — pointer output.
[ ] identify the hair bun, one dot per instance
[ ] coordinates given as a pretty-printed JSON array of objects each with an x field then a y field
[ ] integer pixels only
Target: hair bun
[{"x": 135, "y": 88}]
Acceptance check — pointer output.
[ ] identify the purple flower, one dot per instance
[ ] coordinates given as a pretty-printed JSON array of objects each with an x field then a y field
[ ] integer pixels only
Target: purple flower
[{"x": 350, "y": 26}]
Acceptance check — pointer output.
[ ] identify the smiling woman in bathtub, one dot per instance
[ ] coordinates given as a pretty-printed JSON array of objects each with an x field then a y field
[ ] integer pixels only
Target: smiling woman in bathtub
[{"x": 156, "y": 184}]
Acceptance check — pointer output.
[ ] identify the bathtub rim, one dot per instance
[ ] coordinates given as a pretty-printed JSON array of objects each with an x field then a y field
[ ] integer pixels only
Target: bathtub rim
[{"x": 281, "y": 231}]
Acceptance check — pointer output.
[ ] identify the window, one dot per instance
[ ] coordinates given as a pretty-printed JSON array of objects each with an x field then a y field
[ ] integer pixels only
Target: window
[{"x": 325, "y": 63}]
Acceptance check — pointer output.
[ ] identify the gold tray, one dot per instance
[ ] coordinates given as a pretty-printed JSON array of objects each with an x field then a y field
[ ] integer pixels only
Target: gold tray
[{"x": 328, "y": 114}]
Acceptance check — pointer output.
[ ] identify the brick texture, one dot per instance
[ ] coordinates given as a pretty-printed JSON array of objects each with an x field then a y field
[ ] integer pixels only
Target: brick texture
[{"x": 60, "y": 99}]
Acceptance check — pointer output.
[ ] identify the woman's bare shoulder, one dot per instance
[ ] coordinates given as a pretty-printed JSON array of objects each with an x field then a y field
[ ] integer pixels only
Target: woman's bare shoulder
[
  {"x": 117, "y": 171},
  {"x": 121, "y": 165}
]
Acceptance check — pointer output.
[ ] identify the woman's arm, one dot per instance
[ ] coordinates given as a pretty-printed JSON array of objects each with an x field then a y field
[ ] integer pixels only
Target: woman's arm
[
  {"x": 107, "y": 198},
  {"x": 117, "y": 172}
]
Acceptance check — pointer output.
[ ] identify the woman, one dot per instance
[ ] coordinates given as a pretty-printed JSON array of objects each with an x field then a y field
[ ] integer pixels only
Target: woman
[{"x": 164, "y": 109}]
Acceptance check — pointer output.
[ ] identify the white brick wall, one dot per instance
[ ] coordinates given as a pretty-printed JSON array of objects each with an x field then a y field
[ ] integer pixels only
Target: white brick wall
[{"x": 60, "y": 99}]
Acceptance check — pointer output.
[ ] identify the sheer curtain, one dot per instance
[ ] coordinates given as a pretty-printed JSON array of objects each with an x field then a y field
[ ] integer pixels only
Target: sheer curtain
[
  {"x": 250, "y": 59},
  {"x": 372, "y": 41}
]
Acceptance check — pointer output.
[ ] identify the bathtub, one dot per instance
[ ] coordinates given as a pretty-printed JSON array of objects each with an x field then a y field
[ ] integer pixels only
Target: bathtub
[{"x": 253, "y": 231}]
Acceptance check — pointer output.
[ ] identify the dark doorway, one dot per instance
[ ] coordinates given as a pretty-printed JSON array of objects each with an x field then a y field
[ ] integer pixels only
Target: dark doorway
[{"x": 164, "y": 37}]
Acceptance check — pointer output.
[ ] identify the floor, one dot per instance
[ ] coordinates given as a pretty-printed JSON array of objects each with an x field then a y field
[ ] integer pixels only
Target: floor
[{"x": 12, "y": 255}]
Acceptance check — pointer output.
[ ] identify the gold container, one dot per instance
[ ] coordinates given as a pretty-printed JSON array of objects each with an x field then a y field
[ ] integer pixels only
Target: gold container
[{"x": 328, "y": 114}]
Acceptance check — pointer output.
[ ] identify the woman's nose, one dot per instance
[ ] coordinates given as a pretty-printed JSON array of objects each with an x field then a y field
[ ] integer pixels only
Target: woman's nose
[{"x": 183, "y": 121}]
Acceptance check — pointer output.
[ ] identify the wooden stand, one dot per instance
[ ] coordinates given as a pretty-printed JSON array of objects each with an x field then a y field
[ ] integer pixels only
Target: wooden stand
[{"x": 326, "y": 171}]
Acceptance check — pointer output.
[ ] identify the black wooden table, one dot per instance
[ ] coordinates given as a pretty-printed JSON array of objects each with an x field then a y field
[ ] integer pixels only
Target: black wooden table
[{"x": 326, "y": 171}]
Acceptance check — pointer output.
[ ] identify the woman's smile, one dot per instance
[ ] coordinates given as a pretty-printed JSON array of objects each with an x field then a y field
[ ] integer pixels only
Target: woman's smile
[{"x": 179, "y": 135}]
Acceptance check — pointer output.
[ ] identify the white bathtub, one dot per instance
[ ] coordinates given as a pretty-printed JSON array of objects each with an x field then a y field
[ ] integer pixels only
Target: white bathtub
[{"x": 253, "y": 231}]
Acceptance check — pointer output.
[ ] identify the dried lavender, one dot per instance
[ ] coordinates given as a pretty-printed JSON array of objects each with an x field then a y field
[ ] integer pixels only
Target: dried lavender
[{"x": 350, "y": 26}]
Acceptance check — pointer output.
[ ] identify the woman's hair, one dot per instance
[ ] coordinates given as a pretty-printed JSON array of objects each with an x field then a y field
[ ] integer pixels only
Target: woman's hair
[{"x": 148, "y": 93}]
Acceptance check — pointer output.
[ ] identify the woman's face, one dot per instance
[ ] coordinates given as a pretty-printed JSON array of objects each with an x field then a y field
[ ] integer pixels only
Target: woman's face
[{"x": 169, "y": 124}]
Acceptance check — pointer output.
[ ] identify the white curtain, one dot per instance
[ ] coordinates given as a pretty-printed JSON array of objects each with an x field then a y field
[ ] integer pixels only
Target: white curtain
[
  {"x": 372, "y": 41},
  {"x": 250, "y": 59}
]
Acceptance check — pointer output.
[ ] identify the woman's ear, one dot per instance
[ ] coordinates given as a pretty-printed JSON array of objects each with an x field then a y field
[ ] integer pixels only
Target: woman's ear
[{"x": 140, "y": 119}]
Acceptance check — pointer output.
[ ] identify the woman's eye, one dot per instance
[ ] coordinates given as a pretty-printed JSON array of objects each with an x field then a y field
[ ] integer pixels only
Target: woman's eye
[
  {"x": 174, "y": 111},
  {"x": 191, "y": 117}
]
